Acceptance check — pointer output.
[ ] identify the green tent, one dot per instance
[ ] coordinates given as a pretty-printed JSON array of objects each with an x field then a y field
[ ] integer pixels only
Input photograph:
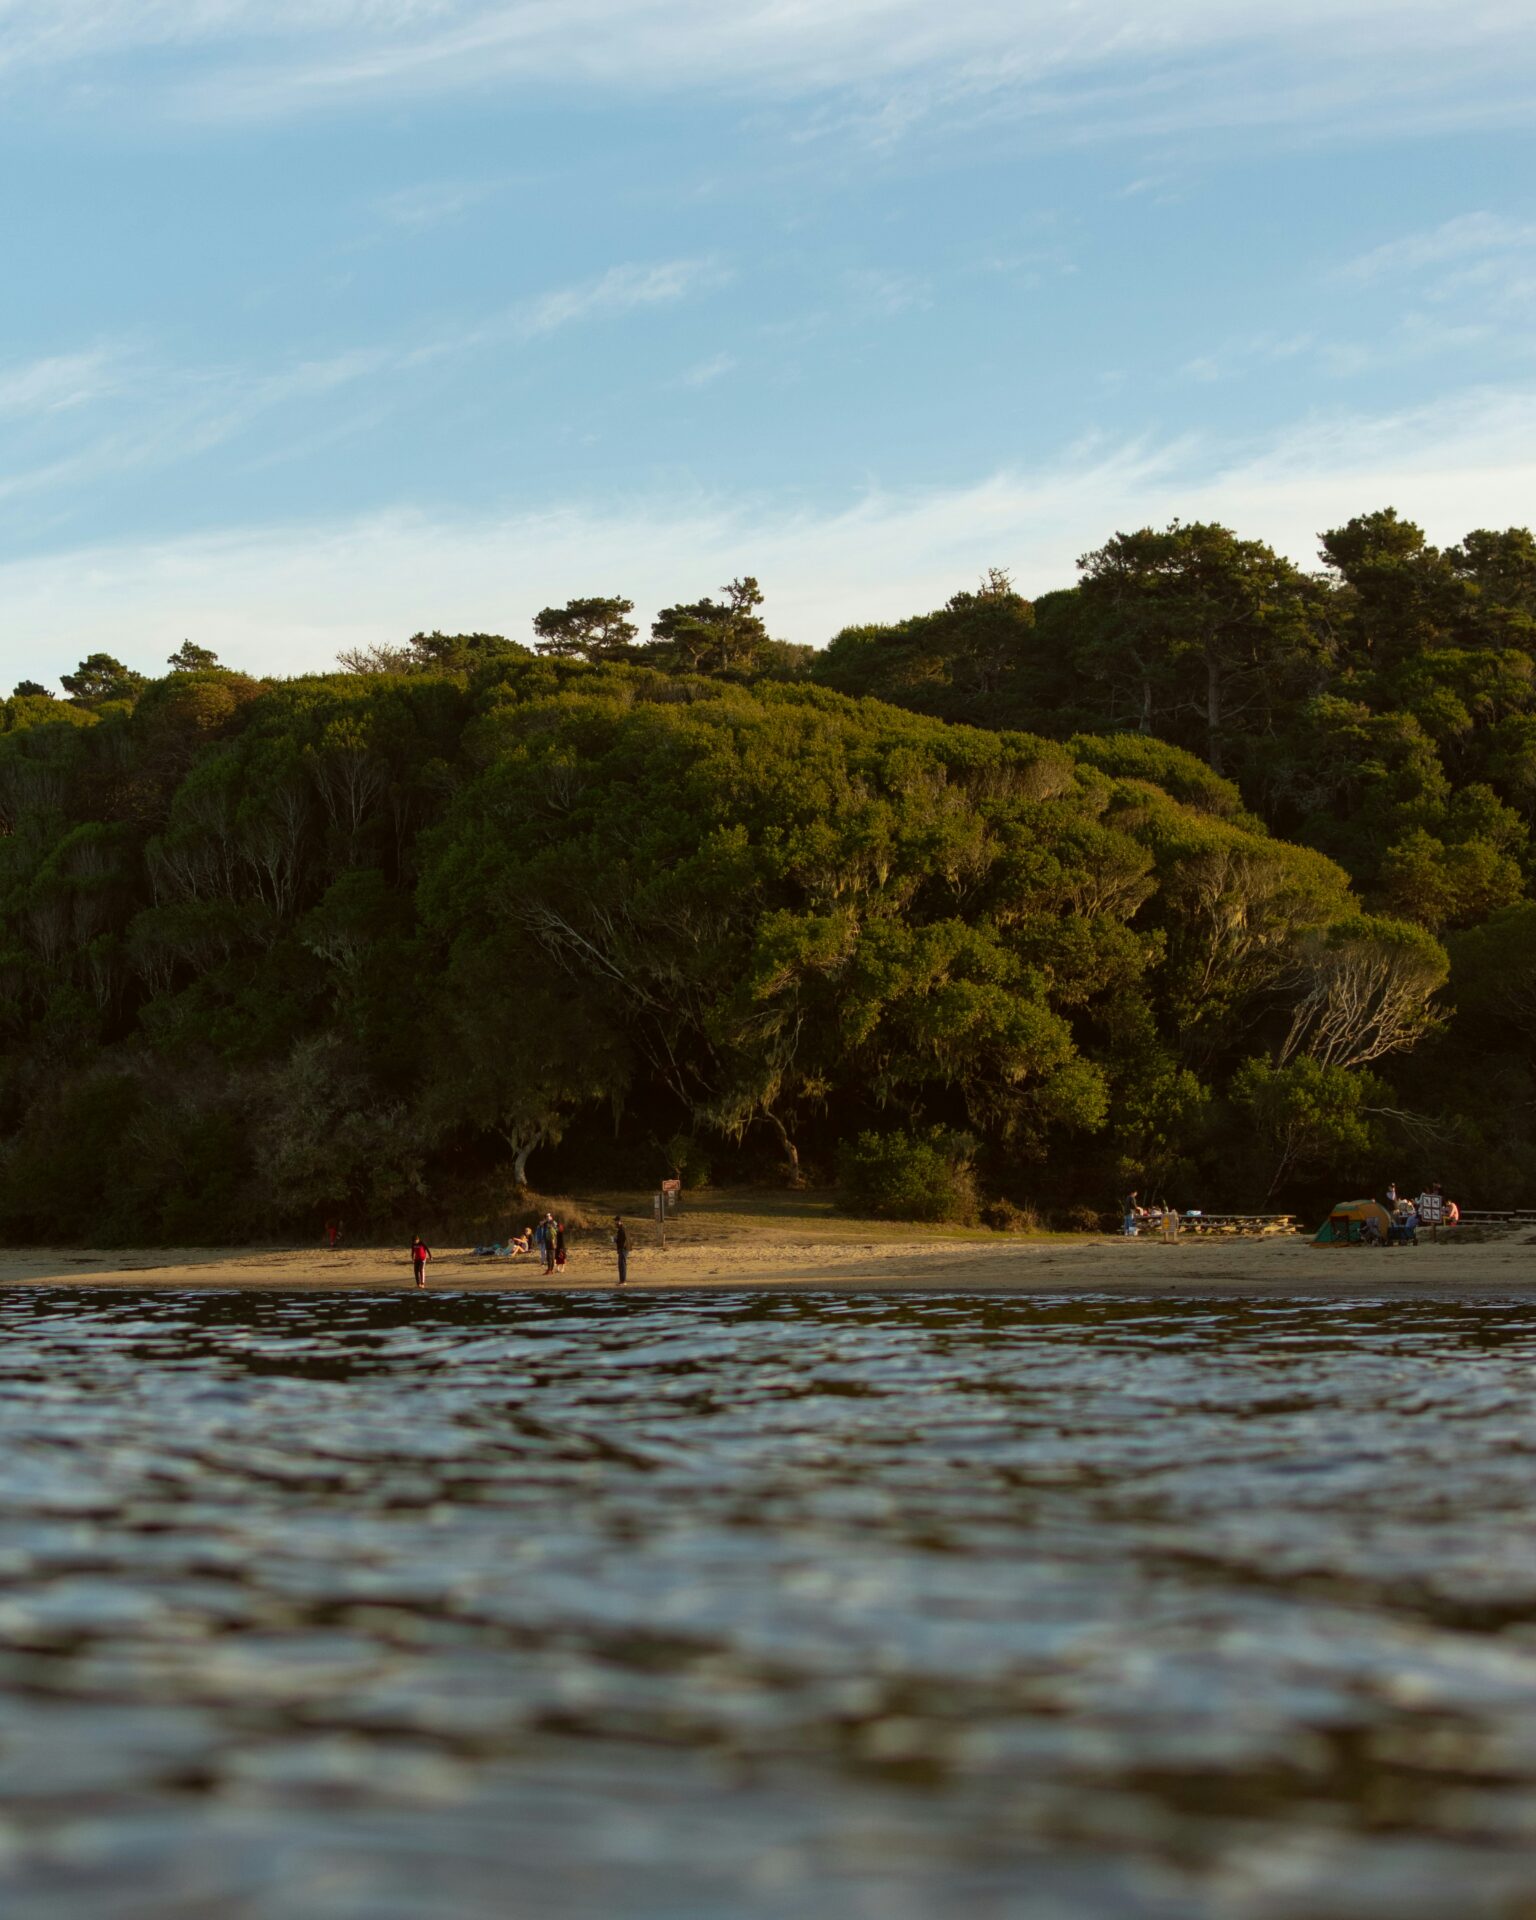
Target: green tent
[{"x": 1343, "y": 1225}]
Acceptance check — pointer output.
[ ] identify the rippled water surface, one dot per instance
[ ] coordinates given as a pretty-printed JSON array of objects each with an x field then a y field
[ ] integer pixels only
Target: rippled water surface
[{"x": 701, "y": 1607}]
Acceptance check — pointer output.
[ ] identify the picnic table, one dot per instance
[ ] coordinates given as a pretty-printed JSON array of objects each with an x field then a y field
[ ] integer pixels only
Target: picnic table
[{"x": 1255, "y": 1223}]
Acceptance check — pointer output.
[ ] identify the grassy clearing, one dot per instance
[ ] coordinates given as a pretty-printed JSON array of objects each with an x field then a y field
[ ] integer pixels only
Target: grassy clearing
[{"x": 735, "y": 1216}]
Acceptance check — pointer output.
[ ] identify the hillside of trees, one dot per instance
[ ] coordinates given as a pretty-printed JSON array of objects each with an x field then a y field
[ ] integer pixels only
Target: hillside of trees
[{"x": 1205, "y": 875}]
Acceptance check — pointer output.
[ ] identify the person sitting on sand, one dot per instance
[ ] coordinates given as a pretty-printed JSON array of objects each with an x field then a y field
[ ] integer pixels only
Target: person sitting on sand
[{"x": 517, "y": 1246}]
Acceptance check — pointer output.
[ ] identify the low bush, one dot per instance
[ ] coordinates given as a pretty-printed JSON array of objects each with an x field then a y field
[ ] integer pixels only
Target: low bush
[
  {"x": 903, "y": 1176},
  {"x": 1002, "y": 1216}
]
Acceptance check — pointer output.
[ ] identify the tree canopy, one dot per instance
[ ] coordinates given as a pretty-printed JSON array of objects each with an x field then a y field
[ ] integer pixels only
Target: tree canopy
[{"x": 1207, "y": 874}]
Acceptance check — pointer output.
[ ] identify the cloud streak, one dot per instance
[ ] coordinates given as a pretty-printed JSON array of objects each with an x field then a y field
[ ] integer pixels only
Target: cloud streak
[
  {"x": 284, "y": 598},
  {"x": 175, "y": 415},
  {"x": 1469, "y": 237},
  {"x": 1100, "y": 61},
  {"x": 59, "y": 383}
]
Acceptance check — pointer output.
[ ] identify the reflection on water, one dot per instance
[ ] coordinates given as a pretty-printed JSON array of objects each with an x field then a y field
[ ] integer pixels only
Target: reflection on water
[{"x": 686, "y": 1609}]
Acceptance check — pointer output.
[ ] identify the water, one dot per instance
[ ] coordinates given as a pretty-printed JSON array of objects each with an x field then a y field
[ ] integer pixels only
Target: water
[{"x": 702, "y": 1607}]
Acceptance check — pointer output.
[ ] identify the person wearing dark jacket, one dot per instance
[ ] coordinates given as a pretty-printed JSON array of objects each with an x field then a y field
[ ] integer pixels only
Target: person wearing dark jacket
[{"x": 621, "y": 1247}]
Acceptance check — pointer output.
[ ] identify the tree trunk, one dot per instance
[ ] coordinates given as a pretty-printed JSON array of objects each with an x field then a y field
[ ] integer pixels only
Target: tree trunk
[
  {"x": 791, "y": 1151},
  {"x": 520, "y": 1147},
  {"x": 1213, "y": 712}
]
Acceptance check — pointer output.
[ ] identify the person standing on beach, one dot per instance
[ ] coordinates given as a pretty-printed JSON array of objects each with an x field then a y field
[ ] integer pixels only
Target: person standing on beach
[
  {"x": 621, "y": 1247},
  {"x": 421, "y": 1253},
  {"x": 560, "y": 1246},
  {"x": 547, "y": 1241}
]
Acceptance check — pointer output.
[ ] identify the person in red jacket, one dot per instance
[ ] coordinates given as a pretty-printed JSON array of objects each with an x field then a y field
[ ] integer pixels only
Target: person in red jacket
[{"x": 421, "y": 1253}]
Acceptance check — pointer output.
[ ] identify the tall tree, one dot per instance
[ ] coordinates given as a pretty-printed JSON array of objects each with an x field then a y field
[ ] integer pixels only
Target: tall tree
[
  {"x": 951, "y": 662},
  {"x": 708, "y": 636},
  {"x": 1401, "y": 595},
  {"x": 592, "y": 629},
  {"x": 100, "y": 678},
  {"x": 189, "y": 657},
  {"x": 1199, "y": 634}
]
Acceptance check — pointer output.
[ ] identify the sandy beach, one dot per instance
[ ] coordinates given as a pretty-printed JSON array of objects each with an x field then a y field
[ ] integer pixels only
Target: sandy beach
[{"x": 738, "y": 1241}]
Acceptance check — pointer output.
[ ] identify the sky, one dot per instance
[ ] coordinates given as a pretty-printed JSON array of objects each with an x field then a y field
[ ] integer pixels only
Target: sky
[{"x": 327, "y": 321}]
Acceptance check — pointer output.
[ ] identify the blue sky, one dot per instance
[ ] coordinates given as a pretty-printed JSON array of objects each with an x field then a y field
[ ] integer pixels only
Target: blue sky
[{"x": 327, "y": 322}]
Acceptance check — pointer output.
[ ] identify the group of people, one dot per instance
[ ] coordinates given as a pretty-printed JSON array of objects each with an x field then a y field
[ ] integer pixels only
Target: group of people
[
  {"x": 1135, "y": 1218},
  {"x": 549, "y": 1238},
  {"x": 546, "y": 1238},
  {"x": 1405, "y": 1216}
]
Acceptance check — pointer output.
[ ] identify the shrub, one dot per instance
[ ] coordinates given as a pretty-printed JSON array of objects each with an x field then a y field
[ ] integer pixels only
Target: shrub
[
  {"x": 1002, "y": 1216},
  {"x": 574, "y": 1214},
  {"x": 902, "y": 1176},
  {"x": 1081, "y": 1220}
]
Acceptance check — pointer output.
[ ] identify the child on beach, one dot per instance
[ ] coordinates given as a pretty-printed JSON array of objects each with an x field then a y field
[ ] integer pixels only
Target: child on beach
[{"x": 421, "y": 1253}]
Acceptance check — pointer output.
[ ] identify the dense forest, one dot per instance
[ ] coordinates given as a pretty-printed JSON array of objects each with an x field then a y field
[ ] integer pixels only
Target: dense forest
[{"x": 1206, "y": 875}]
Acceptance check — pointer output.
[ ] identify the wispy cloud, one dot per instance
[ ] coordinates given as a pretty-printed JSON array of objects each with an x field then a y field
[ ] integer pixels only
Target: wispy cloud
[
  {"x": 60, "y": 382},
  {"x": 170, "y": 415},
  {"x": 1236, "y": 356},
  {"x": 885, "y": 291},
  {"x": 1106, "y": 63},
  {"x": 707, "y": 372},
  {"x": 1469, "y": 237},
  {"x": 620, "y": 290},
  {"x": 286, "y": 597},
  {"x": 432, "y": 204}
]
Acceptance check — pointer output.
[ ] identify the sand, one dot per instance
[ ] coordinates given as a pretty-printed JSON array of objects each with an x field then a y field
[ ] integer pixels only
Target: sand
[{"x": 740, "y": 1241}]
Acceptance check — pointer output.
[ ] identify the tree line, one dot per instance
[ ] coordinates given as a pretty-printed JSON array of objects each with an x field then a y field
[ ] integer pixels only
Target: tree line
[{"x": 1206, "y": 874}]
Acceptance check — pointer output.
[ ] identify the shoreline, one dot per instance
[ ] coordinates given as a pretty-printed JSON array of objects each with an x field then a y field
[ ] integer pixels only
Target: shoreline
[{"x": 787, "y": 1261}]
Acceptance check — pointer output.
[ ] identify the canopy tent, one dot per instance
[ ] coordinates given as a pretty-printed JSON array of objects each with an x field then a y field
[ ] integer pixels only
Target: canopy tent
[{"x": 1343, "y": 1225}]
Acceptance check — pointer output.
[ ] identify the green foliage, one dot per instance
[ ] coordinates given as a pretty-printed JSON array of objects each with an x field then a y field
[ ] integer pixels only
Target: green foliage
[
  {"x": 397, "y": 940},
  {"x": 706, "y": 636},
  {"x": 941, "y": 663},
  {"x": 99, "y": 679},
  {"x": 1194, "y": 633},
  {"x": 906, "y": 1176},
  {"x": 435, "y": 653},
  {"x": 189, "y": 657},
  {"x": 590, "y": 629},
  {"x": 1310, "y": 1119}
]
